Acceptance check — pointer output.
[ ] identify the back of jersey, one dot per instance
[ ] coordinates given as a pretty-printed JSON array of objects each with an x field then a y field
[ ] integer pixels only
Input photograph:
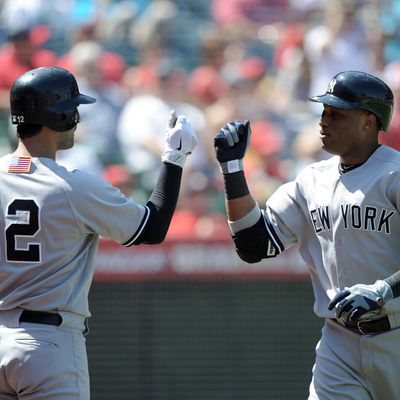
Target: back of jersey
[{"x": 46, "y": 261}]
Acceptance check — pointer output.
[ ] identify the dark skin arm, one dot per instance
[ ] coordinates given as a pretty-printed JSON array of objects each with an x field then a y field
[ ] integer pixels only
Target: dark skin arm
[{"x": 238, "y": 208}]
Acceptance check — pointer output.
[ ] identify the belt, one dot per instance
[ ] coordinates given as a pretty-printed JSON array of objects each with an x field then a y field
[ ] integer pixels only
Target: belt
[
  {"x": 369, "y": 326},
  {"x": 40, "y": 317}
]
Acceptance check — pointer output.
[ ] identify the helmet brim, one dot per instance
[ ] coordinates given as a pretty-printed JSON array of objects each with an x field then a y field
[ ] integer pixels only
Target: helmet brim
[
  {"x": 84, "y": 99},
  {"x": 336, "y": 102},
  {"x": 67, "y": 105},
  {"x": 331, "y": 100}
]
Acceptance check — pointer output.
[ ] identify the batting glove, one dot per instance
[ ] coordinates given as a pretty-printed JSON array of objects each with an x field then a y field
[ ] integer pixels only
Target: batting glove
[
  {"x": 360, "y": 302},
  {"x": 231, "y": 144},
  {"x": 180, "y": 140}
]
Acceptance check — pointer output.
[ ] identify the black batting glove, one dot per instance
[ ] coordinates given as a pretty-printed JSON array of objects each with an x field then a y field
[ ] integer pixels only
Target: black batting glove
[{"x": 231, "y": 144}]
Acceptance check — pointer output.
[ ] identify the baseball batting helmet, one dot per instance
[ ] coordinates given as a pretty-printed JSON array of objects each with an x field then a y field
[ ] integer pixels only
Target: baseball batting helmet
[
  {"x": 47, "y": 96},
  {"x": 359, "y": 90}
]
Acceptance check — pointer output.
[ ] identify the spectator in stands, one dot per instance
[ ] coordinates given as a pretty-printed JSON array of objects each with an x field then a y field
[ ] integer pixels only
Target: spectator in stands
[
  {"x": 197, "y": 214},
  {"x": 306, "y": 147},
  {"x": 111, "y": 63},
  {"x": 97, "y": 128},
  {"x": 21, "y": 52},
  {"x": 139, "y": 124},
  {"x": 206, "y": 84},
  {"x": 391, "y": 75},
  {"x": 120, "y": 176},
  {"x": 242, "y": 98},
  {"x": 150, "y": 26},
  {"x": 339, "y": 43},
  {"x": 264, "y": 166},
  {"x": 243, "y": 11},
  {"x": 244, "y": 77},
  {"x": 388, "y": 28},
  {"x": 292, "y": 69}
]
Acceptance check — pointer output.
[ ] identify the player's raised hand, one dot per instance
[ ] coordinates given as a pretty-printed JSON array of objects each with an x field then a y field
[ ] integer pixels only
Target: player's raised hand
[
  {"x": 230, "y": 145},
  {"x": 180, "y": 140},
  {"x": 360, "y": 302}
]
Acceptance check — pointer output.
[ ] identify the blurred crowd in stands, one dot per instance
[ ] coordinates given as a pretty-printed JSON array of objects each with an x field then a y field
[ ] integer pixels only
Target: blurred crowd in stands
[{"x": 213, "y": 60}]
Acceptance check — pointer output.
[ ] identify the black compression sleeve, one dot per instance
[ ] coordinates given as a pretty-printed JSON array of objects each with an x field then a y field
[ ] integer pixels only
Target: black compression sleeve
[
  {"x": 162, "y": 204},
  {"x": 394, "y": 282}
]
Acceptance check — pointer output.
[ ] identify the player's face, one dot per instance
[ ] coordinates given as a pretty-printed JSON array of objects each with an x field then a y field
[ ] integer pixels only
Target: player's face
[
  {"x": 341, "y": 131},
  {"x": 66, "y": 139}
]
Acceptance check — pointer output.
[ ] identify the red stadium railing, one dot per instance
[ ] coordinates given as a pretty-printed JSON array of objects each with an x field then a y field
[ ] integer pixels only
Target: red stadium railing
[{"x": 191, "y": 259}]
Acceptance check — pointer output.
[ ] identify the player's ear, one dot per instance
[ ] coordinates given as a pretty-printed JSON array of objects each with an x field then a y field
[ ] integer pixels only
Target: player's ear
[{"x": 370, "y": 121}]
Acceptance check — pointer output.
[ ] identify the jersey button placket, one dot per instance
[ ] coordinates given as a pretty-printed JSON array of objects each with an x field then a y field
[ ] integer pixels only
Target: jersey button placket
[{"x": 341, "y": 250}]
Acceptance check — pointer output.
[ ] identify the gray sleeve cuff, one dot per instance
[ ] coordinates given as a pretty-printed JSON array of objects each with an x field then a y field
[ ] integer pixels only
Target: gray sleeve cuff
[{"x": 247, "y": 221}]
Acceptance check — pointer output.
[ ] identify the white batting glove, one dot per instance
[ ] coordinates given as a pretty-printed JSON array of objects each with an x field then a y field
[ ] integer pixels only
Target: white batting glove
[
  {"x": 180, "y": 140},
  {"x": 360, "y": 302}
]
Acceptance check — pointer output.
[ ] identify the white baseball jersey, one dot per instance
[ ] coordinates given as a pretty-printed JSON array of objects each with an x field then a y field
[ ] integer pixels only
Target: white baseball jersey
[
  {"x": 51, "y": 221},
  {"x": 347, "y": 225}
]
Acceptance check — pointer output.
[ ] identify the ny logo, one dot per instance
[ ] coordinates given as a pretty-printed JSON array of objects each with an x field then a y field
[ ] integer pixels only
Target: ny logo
[{"x": 331, "y": 85}]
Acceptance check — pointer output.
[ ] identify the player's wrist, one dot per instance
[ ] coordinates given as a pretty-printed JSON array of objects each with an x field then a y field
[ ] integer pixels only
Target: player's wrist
[
  {"x": 235, "y": 185},
  {"x": 174, "y": 157},
  {"x": 384, "y": 289},
  {"x": 231, "y": 166},
  {"x": 394, "y": 282}
]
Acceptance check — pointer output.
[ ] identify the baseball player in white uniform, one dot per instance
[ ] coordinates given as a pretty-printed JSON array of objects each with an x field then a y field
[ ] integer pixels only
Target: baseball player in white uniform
[
  {"x": 343, "y": 213},
  {"x": 51, "y": 220}
]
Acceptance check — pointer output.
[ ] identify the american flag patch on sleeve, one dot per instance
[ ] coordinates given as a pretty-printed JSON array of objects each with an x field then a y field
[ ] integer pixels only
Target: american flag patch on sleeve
[{"x": 20, "y": 164}]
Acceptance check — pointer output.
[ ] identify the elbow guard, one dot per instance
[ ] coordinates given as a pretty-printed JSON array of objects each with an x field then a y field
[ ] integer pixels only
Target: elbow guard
[{"x": 254, "y": 244}]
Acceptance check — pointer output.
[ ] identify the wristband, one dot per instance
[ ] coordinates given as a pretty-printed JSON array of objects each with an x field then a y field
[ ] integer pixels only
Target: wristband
[
  {"x": 232, "y": 166},
  {"x": 174, "y": 157},
  {"x": 235, "y": 185}
]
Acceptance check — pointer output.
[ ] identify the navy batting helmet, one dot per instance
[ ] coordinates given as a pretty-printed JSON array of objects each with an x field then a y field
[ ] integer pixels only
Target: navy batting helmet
[
  {"x": 47, "y": 96},
  {"x": 359, "y": 90}
]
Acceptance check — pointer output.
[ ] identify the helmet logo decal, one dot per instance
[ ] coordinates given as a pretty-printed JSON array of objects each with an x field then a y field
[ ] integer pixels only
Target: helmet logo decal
[{"x": 331, "y": 85}]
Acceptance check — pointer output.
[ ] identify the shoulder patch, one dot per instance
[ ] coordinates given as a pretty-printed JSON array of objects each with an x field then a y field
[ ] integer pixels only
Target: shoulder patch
[{"x": 20, "y": 165}]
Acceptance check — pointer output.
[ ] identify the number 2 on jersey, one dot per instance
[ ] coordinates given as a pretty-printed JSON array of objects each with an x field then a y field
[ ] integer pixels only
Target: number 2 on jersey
[{"x": 26, "y": 229}]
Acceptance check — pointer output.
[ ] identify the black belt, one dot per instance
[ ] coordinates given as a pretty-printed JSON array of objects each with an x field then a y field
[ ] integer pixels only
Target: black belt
[
  {"x": 369, "y": 326},
  {"x": 40, "y": 317}
]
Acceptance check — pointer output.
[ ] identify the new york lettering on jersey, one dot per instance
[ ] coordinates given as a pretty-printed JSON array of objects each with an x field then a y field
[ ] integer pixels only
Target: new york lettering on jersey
[{"x": 353, "y": 216}]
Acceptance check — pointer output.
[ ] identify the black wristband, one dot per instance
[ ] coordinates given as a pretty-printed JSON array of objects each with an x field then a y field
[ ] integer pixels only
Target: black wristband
[
  {"x": 235, "y": 185},
  {"x": 394, "y": 282}
]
